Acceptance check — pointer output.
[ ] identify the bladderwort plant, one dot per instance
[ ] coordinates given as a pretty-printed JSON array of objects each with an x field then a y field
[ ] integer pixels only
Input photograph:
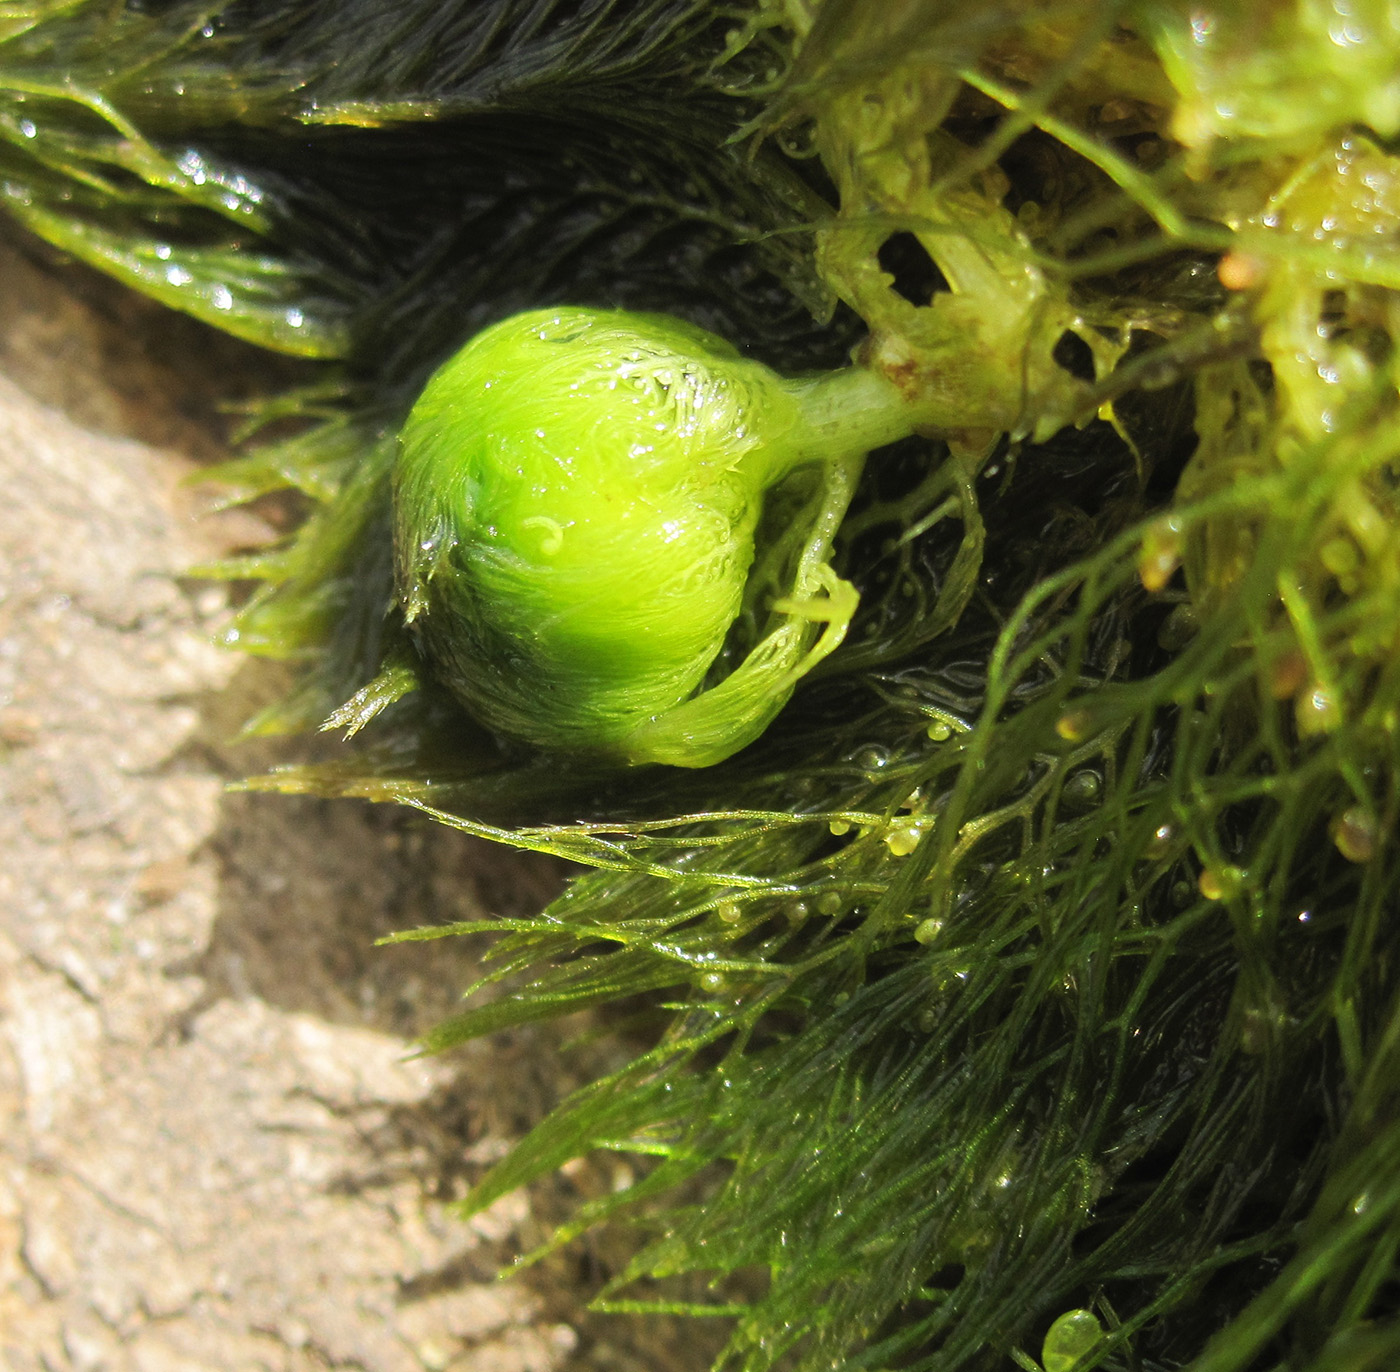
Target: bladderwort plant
[{"x": 1020, "y": 975}]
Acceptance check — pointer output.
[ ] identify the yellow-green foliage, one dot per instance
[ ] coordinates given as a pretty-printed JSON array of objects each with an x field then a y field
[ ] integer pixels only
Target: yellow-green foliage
[{"x": 1031, "y": 982}]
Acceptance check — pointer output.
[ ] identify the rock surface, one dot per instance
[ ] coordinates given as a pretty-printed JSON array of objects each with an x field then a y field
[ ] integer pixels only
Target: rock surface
[{"x": 214, "y": 1153}]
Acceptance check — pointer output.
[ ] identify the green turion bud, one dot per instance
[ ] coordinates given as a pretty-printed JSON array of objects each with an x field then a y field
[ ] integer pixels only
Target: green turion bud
[{"x": 578, "y": 493}]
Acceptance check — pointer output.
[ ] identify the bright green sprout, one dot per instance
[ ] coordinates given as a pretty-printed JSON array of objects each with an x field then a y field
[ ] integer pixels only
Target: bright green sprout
[{"x": 578, "y": 496}]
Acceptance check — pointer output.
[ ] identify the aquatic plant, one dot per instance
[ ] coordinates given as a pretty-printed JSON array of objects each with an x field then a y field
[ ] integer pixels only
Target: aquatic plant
[
  {"x": 576, "y": 497},
  {"x": 1028, "y": 987}
]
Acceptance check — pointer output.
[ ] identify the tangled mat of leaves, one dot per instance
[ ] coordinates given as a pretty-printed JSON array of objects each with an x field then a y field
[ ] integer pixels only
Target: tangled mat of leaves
[{"x": 1031, "y": 985}]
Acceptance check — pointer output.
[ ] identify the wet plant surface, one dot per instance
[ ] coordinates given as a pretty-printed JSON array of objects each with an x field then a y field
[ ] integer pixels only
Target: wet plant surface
[{"x": 1026, "y": 991}]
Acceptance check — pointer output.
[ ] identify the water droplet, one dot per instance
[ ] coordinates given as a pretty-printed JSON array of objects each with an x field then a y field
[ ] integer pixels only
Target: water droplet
[
  {"x": 871, "y": 758},
  {"x": 193, "y": 166},
  {"x": 28, "y": 128},
  {"x": 221, "y": 298},
  {"x": 712, "y": 981},
  {"x": 178, "y": 276}
]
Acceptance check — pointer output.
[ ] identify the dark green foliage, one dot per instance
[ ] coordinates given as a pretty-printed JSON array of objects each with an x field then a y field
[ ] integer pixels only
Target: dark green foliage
[{"x": 1041, "y": 957}]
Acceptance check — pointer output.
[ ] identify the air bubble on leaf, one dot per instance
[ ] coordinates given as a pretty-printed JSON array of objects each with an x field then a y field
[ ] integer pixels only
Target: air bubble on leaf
[
  {"x": 192, "y": 164},
  {"x": 928, "y": 930},
  {"x": 728, "y": 911},
  {"x": 839, "y": 827},
  {"x": 830, "y": 903},
  {"x": 871, "y": 758},
  {"x": 940, "y": 731}
]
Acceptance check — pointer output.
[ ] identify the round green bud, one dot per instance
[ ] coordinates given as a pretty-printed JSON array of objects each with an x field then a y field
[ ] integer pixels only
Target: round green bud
[
  {"x": 1070, "y": 1340},
  {"x": 576, "y": 499}
]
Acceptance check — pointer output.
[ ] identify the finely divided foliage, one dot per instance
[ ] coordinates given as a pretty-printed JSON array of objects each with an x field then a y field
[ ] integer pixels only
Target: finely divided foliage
[{"x": 1027, "y": 993}]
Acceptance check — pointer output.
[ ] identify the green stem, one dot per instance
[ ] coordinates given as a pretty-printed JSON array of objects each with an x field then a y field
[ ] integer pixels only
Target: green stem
[{"x": 845, "y": 414}]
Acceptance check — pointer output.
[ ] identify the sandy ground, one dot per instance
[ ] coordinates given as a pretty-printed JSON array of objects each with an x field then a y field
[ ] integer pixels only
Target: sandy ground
[{"x": 214, "y": 1153}]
